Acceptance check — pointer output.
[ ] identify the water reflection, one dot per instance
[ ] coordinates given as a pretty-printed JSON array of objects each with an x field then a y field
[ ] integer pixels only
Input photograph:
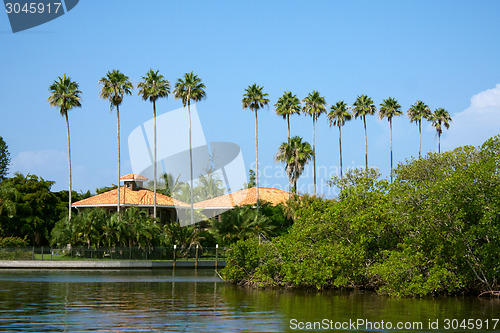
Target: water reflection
[{"x": 195, "y": 301}]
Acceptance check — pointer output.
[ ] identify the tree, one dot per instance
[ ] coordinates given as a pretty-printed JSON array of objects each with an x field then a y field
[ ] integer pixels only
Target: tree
[
  {"x": 190, "y": 89},
  {"x": 314, "y": 105},
  {"x": 31, "y": 208},
  {"x": 4, "y": 159},
  {"x": 152, "y": 87},
  {"x": 65, "y": 96},
  {"x": 338, "y": 115},
  {"x": 287, "y": 105},
  {"x": 254, "y": 99},
  {"x": 389, "y": 109},
  {"x": 115, "y": 85},
  {"x": 364, "y": 106},
  {"x": 251, "y": 179},
  {"x": 416, "y": 112},
  {"x": 439, "y": 118},
  {"x": 296, "y": 154}
]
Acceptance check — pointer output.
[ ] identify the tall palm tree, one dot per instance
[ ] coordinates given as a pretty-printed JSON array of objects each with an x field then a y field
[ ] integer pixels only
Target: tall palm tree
[
  {"x": 314, "y": 105},
  {"x": 254, "y": 99},
  {"x": 338, "y": 115},
  {"x": 296, "y": 154},
  {"x": 287, "y": 105},
  {"x": 65, "y": 96},
  {"x": 152, "y": 87},
  {"x": 416, "y": 112},
  {"x": 362, "y": 107},
  {"x": 190, "y": 89},
  {"x": 389, "y": 109},
  {"x": 115, "y": 85},
  {"x": 439, "y": 118}
]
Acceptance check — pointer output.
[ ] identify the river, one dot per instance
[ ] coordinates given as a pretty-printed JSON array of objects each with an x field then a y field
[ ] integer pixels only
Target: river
[{"x": 188, "y": 300}]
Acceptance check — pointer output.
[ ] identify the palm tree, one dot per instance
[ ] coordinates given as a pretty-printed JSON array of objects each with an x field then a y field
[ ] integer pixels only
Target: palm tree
[
  {"x": 364, "y": 106},
  {"x": 314, "y": 105},
  {"x": 338, "y": 115},
  {"x": 287, "y": 105},
  {"x": 152, "y": 87},
  {"x": 254, "y": 99},
  {"x": 296, "y": 154},
  {"x": 65, "y": 96},
  {"x": 190, "y": 89},
  {"x": 416, "y": 112},
  {"x": 115, "y": 85},
  {"x": 389, "y": 109},
  {"x": 439, "y": 118}
]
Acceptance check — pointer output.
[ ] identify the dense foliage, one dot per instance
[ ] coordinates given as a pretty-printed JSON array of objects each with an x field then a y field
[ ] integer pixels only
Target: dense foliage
[
  {"x": 435, "y": 230},
  {"x": 29, "y": 209},
  {"x": 4, "y": 159}
]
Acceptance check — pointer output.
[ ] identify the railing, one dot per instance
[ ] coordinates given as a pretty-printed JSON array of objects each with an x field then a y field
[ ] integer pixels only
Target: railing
[{"x": 114, "y": 253}]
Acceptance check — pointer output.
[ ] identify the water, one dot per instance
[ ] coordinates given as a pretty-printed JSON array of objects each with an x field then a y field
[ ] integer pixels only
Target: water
[{"x": 197, "y": 301}]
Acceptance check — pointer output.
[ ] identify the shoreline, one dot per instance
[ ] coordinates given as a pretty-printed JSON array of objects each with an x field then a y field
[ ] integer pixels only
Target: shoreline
[{"x": 112, "y": 264}]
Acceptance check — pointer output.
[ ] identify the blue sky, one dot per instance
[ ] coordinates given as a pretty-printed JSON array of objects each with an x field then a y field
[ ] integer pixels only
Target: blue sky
[{"x": 442, "y": 52}]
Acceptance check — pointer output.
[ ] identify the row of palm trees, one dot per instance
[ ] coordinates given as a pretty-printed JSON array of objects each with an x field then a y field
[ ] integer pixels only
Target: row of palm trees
[
  {"x": 295, "y": 152},
  {"x": 65, "y": 95}
]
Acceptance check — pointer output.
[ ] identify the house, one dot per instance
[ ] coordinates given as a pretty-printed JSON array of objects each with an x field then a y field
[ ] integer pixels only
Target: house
[
  {"x": 216, "y": 206},
  {"x": 133, "y": 194}
]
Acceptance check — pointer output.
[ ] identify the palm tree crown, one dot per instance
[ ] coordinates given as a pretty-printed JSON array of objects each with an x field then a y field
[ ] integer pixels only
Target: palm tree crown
[
  {"x": 439, "y": 118},
  {"x": 152, "y": 87},
  {"x": 295, "y": 154},
  {"x": 364, "y": 106},
  {"x": 314, "y": 105},
  {"x": 65, "y": 95},
  {"x": 416, "y": 112},
  {"x": 188, "y": 89},
  {"x": 389, "y": 109},
  {"x": 287, "y": 105},
  {"x": 115, "y": 85},
  {"x": 338, "y": 115},
  {"x": 254, "y": 99}
]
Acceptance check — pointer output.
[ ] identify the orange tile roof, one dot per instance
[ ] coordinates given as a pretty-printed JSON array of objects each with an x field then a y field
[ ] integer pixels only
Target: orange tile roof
[
  {"x": 128, "y": 197},
  {"x": 245, "y": 197},
  {"x": 133, "y": 176}
]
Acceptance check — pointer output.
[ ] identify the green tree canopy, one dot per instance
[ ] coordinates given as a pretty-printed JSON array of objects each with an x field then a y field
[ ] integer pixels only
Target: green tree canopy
[{"x": 4, "y": 159}]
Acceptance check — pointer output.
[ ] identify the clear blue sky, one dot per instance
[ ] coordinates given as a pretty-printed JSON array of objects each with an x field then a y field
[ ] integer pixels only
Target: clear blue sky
[{"x": 445, "y": 53}]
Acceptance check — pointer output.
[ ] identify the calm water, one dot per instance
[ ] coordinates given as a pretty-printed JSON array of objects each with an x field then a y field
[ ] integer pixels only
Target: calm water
[{"x": 197, "y": 301}]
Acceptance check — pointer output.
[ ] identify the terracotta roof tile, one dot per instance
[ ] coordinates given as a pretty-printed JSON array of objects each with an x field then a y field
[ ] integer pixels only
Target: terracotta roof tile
[
  {"x": 128, "y": 197},
  {"x": 133, "y": 176},
  {"x": 245, "y": 197}
]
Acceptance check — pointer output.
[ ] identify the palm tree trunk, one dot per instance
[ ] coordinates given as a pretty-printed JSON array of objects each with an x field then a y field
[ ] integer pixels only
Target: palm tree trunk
[
  {"x": 340, "y": 149},
  {"x": 314, "y": 158},
  {"x": 390, "y": 124},
  {"x": 256, "y": 161},
  {"x": 190, "y": 161},
  {"x": 118, "y": 141},
  {"x": 439, "y": 143},
  {"x": 69, "y": 167},
  {"x": 288, "y": 121},
  {"x": 366, "y": 144},
  {"x": 419, "y": 137},
  {"x": 154, "y": 181}
]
